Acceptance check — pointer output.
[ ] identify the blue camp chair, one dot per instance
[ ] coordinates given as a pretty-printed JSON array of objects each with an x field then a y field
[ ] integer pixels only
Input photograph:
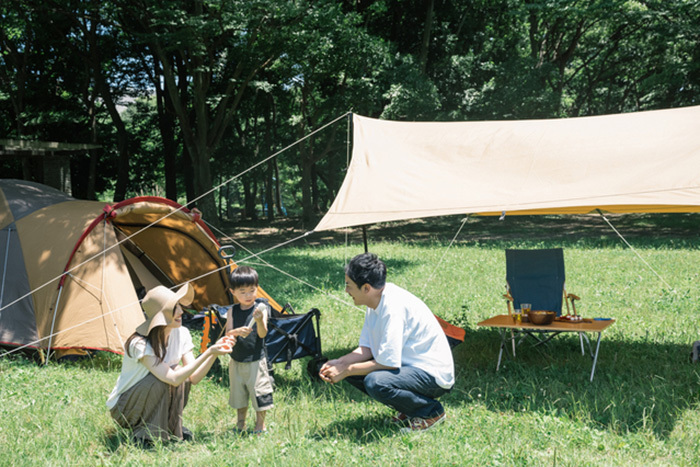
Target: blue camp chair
[{"x": 537, "y": 277}]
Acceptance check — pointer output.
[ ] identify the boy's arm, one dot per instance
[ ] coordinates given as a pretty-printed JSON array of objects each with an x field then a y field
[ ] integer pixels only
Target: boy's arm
[
  {"x": 260, "y": 315},
  {"x": 229, "y": 319}
]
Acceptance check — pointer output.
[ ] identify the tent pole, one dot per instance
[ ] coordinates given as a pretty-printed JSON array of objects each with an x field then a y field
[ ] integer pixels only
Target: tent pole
[
  {"x": 364, "y": 237},
  {"x": 4, "y": 267},
  {"x": 53, "y": 323}
]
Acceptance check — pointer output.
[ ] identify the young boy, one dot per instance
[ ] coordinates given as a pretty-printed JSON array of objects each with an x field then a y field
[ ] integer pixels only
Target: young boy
[{"x": 248, "y": 375}]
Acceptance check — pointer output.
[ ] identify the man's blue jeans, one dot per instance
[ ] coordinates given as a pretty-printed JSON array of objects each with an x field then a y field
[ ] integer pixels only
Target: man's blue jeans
[{"x": 408, "y": 389}]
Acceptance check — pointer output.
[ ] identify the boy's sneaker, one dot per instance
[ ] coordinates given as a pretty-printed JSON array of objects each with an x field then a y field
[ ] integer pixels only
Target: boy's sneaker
[
  {"x": 187, "y": 434},
  {"x": 398, "y": 419},
  {"x": 695, "y": 352},
  {"x": 422, "y": 424}
]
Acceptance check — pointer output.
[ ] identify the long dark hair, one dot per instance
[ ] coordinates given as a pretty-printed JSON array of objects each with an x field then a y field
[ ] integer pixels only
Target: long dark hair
[{"x": 156, "y": 338}]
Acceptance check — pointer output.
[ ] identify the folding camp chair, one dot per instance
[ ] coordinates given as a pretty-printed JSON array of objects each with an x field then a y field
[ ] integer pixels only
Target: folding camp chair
[{"x": 537, "y": 277}]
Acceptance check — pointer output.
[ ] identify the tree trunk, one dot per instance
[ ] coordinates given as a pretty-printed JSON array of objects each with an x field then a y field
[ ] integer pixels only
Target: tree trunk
[
  {"x": 166, "y": 125},
  {"x": 425, "y": 44},
  {"x": 269, "y": 199},
  {"x": 278, "y": 194}
]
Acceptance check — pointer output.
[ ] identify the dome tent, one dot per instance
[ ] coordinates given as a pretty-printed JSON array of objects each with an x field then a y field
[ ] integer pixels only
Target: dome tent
[{"x": 71, "y": 271}]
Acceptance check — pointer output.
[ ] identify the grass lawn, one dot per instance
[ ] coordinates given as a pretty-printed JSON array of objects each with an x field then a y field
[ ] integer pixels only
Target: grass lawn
[{"x": 539, "y": 409}]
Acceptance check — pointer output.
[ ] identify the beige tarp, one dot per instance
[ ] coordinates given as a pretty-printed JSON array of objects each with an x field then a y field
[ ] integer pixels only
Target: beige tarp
[{"x": 634, "y": 162}]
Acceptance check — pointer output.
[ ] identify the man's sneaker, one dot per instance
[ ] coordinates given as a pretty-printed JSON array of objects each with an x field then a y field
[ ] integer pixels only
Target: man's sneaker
[
  {"x": 695, "y": 352},
  {"x": 422, "y": 424},
  {"x": 398, "y": 419}
]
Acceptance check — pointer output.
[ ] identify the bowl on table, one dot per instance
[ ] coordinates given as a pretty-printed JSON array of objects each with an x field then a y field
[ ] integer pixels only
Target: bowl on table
[{"x": 541, "y": 317}]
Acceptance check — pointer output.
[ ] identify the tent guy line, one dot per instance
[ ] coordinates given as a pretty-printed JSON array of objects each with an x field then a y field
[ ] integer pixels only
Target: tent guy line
[
  {"x": 437, "y": 265},
  {"x": 57, "y": 278},
  {"x": 126, "y": 306},
  {"x": 281, "y": 271},
  {"x": 635, "y": 251},
  {"x": 483, "y": 144}
]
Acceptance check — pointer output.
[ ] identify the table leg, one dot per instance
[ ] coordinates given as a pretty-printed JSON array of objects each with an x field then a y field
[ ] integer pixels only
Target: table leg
[
  {"x": 595, "y": 358},
  {"x": 503, "y": 346}
]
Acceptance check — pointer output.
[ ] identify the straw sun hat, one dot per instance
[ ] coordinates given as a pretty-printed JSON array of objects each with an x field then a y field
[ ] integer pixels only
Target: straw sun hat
[{"x": 159, "y": 303}]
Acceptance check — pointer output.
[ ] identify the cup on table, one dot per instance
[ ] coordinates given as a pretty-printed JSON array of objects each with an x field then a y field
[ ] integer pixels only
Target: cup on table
[
  {"x": 525, "y": 307},
  {"x": 517, "y": 317}
]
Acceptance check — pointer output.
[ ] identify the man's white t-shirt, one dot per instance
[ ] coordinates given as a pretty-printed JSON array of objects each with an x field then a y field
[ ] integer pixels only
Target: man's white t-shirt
[
  {"x": 133, "y": 371},
  {"x": 402, "y": 331}
]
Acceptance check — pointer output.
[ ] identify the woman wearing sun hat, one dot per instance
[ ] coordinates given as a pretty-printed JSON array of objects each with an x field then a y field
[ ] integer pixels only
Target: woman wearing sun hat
[{"x": 158, "y": 368}]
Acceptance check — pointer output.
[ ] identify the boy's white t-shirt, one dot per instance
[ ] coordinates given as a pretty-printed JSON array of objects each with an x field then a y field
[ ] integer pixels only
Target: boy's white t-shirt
[
  {"x": 133, "y": 371},
  {"x": 402, "y": 331}
]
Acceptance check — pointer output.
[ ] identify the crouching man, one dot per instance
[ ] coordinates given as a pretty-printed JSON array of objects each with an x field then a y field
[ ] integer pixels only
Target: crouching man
[{"x": 403, "y": 359}]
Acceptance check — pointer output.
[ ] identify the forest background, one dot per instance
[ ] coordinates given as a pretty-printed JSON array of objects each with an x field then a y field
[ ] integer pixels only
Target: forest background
[{"x": 181, "y": 97}]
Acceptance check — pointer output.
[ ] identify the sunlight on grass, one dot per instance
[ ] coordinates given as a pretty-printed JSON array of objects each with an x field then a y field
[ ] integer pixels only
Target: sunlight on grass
[{"x": 539, "y": 409}]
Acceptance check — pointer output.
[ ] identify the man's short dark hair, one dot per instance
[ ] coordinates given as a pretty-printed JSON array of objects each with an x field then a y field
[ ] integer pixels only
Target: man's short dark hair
[
  {"x": 367, "y": 268},
  {"x": 243, "y": 276}
]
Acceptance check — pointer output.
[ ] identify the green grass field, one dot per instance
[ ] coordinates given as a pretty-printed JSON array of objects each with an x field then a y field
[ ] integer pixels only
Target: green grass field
[{"x": 539, "y": 409}]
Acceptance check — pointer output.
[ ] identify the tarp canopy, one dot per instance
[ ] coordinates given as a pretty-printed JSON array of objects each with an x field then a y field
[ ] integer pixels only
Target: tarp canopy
[{"x": 634, "y": 162}]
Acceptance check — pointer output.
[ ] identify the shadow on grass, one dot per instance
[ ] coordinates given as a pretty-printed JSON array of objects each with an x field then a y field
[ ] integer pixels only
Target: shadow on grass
[
  {"x": 668, "y": 230},
  {"x": 363, "y": 429},
  {"x": 637, "y": 385}
]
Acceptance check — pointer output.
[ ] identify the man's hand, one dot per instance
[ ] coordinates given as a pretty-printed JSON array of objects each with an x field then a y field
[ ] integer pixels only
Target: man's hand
[{"x": 333, "y": 371}]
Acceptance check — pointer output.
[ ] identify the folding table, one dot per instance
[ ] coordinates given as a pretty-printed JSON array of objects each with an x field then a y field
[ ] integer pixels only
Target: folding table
[{"x": 506, "y": 322}]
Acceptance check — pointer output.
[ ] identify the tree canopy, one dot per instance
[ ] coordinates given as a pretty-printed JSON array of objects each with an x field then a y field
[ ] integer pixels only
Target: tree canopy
[{"x": 184, "y": 95}]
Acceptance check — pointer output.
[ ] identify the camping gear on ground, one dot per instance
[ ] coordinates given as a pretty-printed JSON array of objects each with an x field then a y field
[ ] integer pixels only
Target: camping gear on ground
[
  {"x": 73, "y": 271},
  {"x": 290, "y": 336},
  {"x": 695, "y": 352}
]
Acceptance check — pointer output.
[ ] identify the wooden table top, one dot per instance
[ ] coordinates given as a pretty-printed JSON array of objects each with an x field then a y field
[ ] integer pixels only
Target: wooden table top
[{"x": 587, "y": 325}]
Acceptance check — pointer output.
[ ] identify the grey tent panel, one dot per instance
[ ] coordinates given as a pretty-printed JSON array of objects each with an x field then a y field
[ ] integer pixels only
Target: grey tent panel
[
  {"x": 17, "y": 323},
  {"x": 25, "y": 197}
]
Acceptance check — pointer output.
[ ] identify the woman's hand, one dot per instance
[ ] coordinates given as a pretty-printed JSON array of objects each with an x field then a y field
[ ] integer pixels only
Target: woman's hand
[{"x": 224, "y": 345}]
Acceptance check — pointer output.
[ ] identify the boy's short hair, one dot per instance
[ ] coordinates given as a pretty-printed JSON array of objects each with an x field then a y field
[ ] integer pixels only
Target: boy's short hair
[
  {"x": 243, "y": 276},
  {"x": 367, "y": 268}
]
